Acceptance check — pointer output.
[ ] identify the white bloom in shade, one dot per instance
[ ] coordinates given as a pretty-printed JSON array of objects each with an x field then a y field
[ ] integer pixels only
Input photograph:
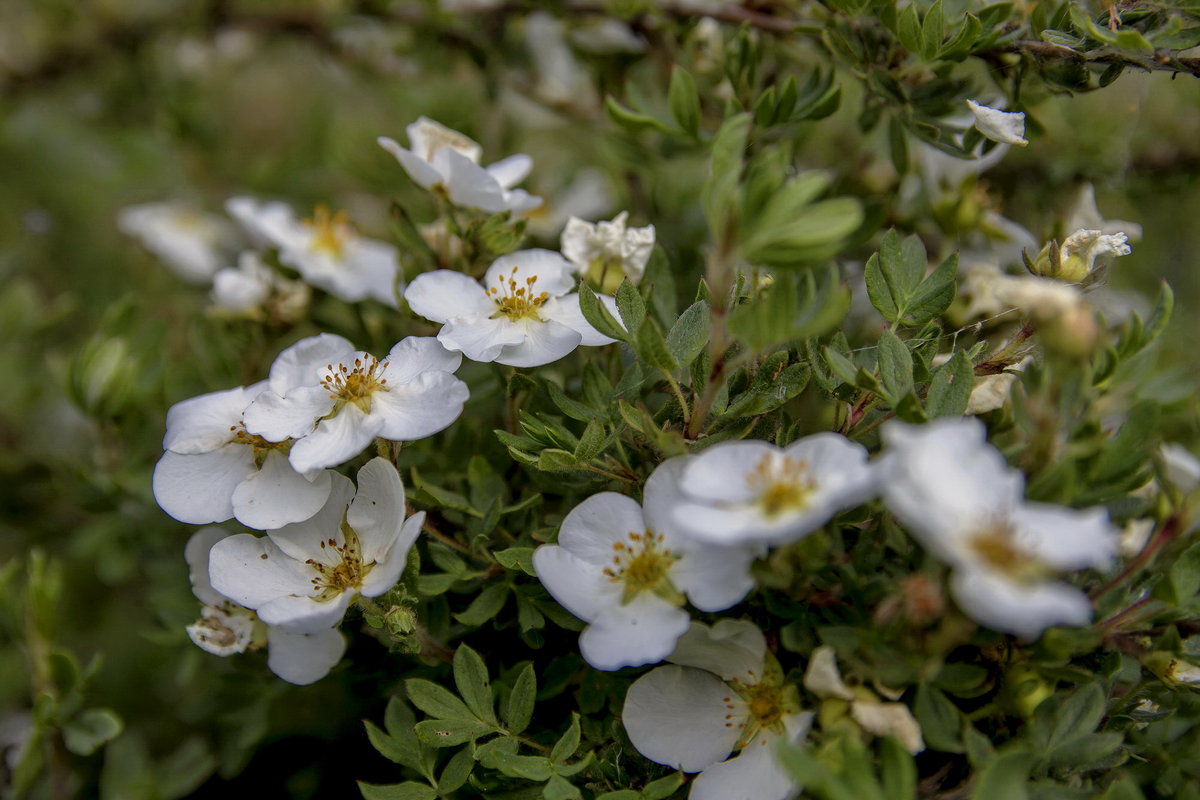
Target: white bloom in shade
[
  {"x": 214, "y": 470},
  {"x": 524, "y": 314},
  {"x": 225, "y": 628},
  {"x": 441, "y": 158},
  {"x": 999, "y": 126},
  {"x": 325, "y": 250},
  {"x": 256, "y": 291},
  {"x": 191, "y": 243},
  {"x": 823, "y": 679},
  {"x": 304, "y": 576},
  {"x": 753, "y": 491},
  {"x": 625, "y": 571},
  {"x": 606, "y": 252},
  {"x": 723, "y": 692},
  {"x": 957, "y": 495},
  {"x": 333, "y": 399}
]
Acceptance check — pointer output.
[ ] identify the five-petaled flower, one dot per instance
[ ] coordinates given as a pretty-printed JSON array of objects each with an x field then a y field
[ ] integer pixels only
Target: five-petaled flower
[
  {"x": 303, "y": 577},
  {"x": 524, "y": 315},
  {"x": 441, "y": 159},
  {"x": 605, "y": 253},
  {"x": 333, "y": 400},
  {"x": 957, "y": 495},
  {"x": 724, "y": 691}
]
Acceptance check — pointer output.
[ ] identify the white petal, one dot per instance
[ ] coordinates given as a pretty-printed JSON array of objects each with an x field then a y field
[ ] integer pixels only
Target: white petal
[
  {"x": 732, "y": 648},
  {"x": 889, "y": 719},
  {"x": 201, "y": 424},
  {"x": 715, "y": 578},
  {"x": 428, "y": 136},
  {"x": 253, "y": 571},
  {"x": 662, "y": 492},
  {"x": 677, "y": 716},
  {"x": 554, "y": 274},
  {"x": 425, "y": 405},
  {"x": 304, "y": 363},
  {"x": 510, "y": 171},
  {"x": 999, "y": 126},
  {"x": 468, "y": 184},
  {"x": 304, "y": 658},
  {"x": 336, "y": 440},
  {"x": 297, "y": 614},
  {"x": 643, "y": 631},
  {"x": 1183, "y": 468},
  {"x": 377, "y": 511},
  {"x": 277, "y": 495},
  {"x": 199, "y": 489},
  {"x": 414, "y": 355},
  {"x": 481, "y": 338},
  {"x": 369, "y": 268},
  {"x": 196, "y": 554},
  {"x": 276, "y": 418},
  {"x": 719, "y": 473},
  {"x": 303, "y": 540},
  {"x": 545, "y": 342},
  {"x": 385, "y": 574},
  {"x": 822, "y": 676},
  {"x": 1064, "y": 538},
  {"x": 519, "y": 200},
  {"x": 223, "y": 633},
  {"x": 839, "y": 466},
  {"x": 565, "y": 310},
  {"x": 1023, "y": 609},
  {"x": 591, "y": 529},
  {"x": 422, "y": 173},
  {"x": 755, "y": 774},
  {"x": 575, "y": 584},
  {"x": 443, "y": 295},
  {"x": 717, "y": 526}
]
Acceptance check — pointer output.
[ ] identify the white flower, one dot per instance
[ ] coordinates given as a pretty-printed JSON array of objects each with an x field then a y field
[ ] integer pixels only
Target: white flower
[
  {"x": 723, "y": 692},
  {"x": 999, "y": 126},
  {"x": 1079, "y": 251},
  {"x": 1084, "y": 214},
  {"x": 255, "y": 290},
  {"x": 523, "y": 315},
  {"x": 225, "y": 628},
  {"x": 1183, "y": 468},
  {"x": 823, "y": 679},
  {"x": 752, "y": 491},
  {"x": 560, "y": 80},
  {"x": 606, "y": 252},
  {"x": 214, "y": 470},
  {"x": 191, "y": 243},
  {"x": 325, "y": 250},
  {"x": 624, "y": 571},
  {"x": 446, "y": 159},
  {"x": 1042, "y": 298},
  {"x": 333, "y": 399},
  {"x": 957, "y": 495},
  {"x": 304, "y": 576}
]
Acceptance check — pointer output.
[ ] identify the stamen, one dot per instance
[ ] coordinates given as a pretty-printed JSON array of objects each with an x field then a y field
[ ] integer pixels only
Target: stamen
[
  {"x": 517, "y": 302},
  {"x": 355, "y": 385},
  {"x": 330, "y": 231}
]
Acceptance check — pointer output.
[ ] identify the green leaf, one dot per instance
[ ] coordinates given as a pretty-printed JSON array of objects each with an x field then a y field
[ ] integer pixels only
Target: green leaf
[
  {"x": 409, "y": 790},
  {"x": 631, "y": 306},
  {"x": 631, "y": 120},
  {"x": 961, "y": 43},
  {"x": 1004, "y": 778},
  {"x": 663, "y": 787},
  {"x": 940, "y": 719},
  {"x": 621, "y": 794},
  {"x": 592, "y": 442},
  {"x": 897, "y": 770},
  {"x": 90, "y": 730},
  {"x": 908, "y": 29},
  {"x": 719, "y": 197},
  {"x": 769, "y": 392},
  {"x": 569, "y": 407},
  {"x": 1079, "y": 714},
  {"x": 841, "y": 366},
  {"x": 456, "y": 772},
  {"x": 950, "y": 387},
  {"x": 534, "y": 768},
  {"x": 689, "y": 334},
  {"x": 598, "y": 316},
  {"x": 788, "y": 240},
  {"x": 484, "y": 606},
  {"x": 517, "y": 558},
  {"x": 554, "y": 460},
  {"x": 436, "y": 701},
  {"x": 684, "y": 101},
  {"x": 568, "y": 743},
  {"x": 651, "y": 347},
  {"x": 471, "y": 678},
  {"x": 795, "y": 306},
  {"x": 895, "y": 366},
  {"x": 559, "y": 788},
  {"x": 390, "y": 748},
  {"x": 896, "y": 285},
  {"x": 518, "y": 706},
  {"x": 1183, "y": 577},
  {"x": 933, "y": 30},
  {"x": 451, "y": 732}
]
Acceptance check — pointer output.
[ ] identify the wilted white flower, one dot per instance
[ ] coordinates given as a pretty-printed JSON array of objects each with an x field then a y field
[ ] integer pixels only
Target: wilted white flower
[
  {"x": 604, "y": 253},
  {"x": 194, "y": 245},
  {"x": 441, "y": 158},
  {"x": 624, "y": 570},
  {"x": 225, "y": 628},
  {"x": 723, "y": 692},
  {"x": 333, "y": 400},
  {"x": 256, "y": 291},
  {"x": 823, "y": 679},
  {"x": 325, "y": 250},
  {"x": 214, "y": 469},
  {"x": 1076, "y": 256},
  {"x": 957, "y": 495},
  {"x": 303, "y": 577},
  {"x": 752, "y": 491},
  {"x": 999, "y": 126},
  {"x": 523, "y": 315}
]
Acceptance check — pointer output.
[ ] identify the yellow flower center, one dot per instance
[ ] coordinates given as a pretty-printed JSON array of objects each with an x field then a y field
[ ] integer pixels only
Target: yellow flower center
[
  {"x": 346, "y": 573},
  {"x": 781, "y": 484},
  {"x": 996, "y": 546},
  {"x": 516, "y": 301},
  {"x": 355, "y": 385},
  {"x": 261, "y": 446},
  {"x": 766, "y": 701},
  {"x": 643, "y": 565},
  {"x": 330, "y": 231}
]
